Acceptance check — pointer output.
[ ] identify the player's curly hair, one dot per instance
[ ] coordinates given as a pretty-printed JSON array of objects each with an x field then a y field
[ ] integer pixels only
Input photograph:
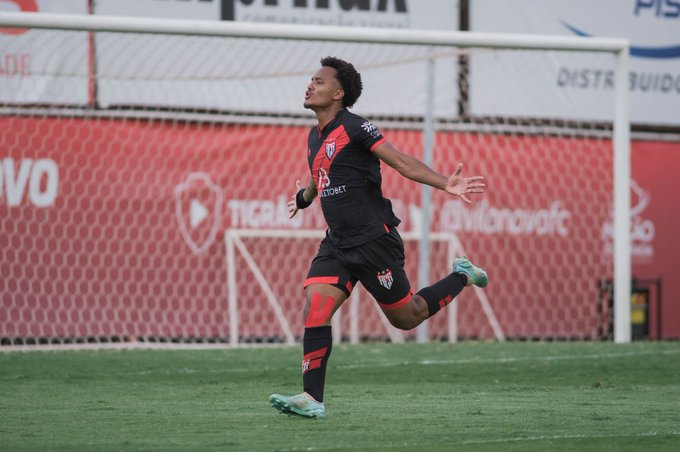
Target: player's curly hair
[{"x": 349, "y": 79}]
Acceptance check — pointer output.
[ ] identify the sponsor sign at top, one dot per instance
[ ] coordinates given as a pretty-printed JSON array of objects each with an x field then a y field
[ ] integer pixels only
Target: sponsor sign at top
[
  {"x": 431, "y": 14},
  {"x": 582, "y": 87},
  {"x": 260, "y": 76},
  {"x": 384, "y": 13}
]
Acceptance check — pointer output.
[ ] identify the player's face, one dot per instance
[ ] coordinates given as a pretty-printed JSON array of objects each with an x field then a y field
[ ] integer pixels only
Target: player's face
[{"x": 323, "y": 90}]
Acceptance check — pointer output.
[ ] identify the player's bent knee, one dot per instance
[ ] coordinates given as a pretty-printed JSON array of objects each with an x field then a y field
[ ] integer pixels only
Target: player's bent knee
[
  {"x": 406, "y": 325},
  {"x": 322, "y": 302},
  {"x": 405, "y": 318}
]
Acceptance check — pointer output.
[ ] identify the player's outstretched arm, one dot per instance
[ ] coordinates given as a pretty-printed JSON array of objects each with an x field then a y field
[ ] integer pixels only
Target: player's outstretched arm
[
  {"x": 307, "y": 196},
  {"x": 412, "y": 168}
]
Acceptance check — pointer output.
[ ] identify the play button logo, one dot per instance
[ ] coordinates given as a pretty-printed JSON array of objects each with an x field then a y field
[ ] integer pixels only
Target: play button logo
[
  {"x": 198, "y": 206},
  {"x": 197, "y": 213}
]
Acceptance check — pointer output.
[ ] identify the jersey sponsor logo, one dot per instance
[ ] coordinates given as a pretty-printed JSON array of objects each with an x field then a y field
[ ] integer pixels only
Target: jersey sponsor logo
[
  {"x": 323, "y": 179},
  {"x": 336, "y": 190},
  {"x": 323, "y": 185},
  {"x": 330, "y": 149},
  {"x": 371, "y": 129},
  {"x": 385, "y": 278}
]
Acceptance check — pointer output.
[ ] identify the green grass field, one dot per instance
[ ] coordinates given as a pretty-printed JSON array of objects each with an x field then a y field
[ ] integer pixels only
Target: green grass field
[{"x": 379, "y": 397}]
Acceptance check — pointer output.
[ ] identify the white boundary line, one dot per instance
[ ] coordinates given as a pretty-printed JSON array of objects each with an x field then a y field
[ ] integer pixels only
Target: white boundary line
[
  {"x": 122, "y": 346},
  {"x": 545, "y": 358},
  {"x": 569, "y": 436},
  {"x": 565, "y": 436}
]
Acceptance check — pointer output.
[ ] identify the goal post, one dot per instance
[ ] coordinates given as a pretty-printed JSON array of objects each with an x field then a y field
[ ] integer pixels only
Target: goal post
[
  {"x": 111, "y": 236},
  {"x": 235, "y": 246}
]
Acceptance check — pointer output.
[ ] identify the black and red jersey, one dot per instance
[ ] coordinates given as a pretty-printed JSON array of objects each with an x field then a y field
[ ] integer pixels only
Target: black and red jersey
[{"x": 348, "y": 180}]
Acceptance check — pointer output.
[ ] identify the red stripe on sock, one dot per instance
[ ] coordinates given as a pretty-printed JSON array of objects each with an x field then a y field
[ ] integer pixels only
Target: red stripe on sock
[
  {"x": 313, "y": 360},
  {"x": 445, "y": 301},
  {"x": 316, "y": 354},
  {"x": 314, "y": 364}
]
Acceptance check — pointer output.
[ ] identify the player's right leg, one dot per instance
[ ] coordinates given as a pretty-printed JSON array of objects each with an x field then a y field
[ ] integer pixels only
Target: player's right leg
[
  {"x": 323, "y": 300},
  {"x": 327, "y": 286}
]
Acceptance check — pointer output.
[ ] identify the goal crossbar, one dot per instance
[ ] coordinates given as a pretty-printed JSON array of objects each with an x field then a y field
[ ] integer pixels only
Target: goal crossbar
[{"x": 309, "y": 32}]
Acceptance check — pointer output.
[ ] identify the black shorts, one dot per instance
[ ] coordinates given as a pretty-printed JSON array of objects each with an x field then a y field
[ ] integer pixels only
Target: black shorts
[{"x": 378, "y": 265}]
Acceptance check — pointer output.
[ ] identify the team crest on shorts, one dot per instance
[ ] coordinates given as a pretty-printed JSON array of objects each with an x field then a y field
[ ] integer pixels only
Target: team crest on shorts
[
  {"x": 330, "y": 149},
  {"x": 385, "y": 278}
]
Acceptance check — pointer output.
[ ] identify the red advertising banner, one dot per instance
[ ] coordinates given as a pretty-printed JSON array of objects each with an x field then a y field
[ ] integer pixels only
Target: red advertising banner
[
  {"x": 115, "y": 229},
  {"x": 656, "y": 224}
]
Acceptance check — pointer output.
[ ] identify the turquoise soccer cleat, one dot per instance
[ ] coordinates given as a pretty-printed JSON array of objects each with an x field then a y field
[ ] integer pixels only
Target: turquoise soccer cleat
[
  {"x": 301, "y": 404},
  {"x": 477, "y": 275}
]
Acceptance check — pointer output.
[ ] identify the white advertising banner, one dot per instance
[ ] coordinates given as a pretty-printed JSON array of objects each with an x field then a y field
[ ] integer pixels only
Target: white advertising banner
[
  {"x": 261, "y": 76},
  {"x": 579, "y": 85},
  {"x": 410, "y": 14},
  {"x": 42, "y": 66}
]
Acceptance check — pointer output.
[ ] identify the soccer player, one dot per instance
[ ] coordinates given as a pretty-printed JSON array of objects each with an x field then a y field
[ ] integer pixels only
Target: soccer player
[{"x": 362, "y": 242}]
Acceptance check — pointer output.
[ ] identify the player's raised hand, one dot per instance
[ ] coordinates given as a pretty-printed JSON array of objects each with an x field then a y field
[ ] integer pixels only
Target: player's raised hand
[
  {"x": 461, "y": 186},
  {"x": 292, "y": 204}
]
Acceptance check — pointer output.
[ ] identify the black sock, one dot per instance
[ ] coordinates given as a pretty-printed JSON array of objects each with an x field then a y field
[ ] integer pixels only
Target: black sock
[
  {"x": 316, "y": 345},
  {"x": 440, "y": 294}
]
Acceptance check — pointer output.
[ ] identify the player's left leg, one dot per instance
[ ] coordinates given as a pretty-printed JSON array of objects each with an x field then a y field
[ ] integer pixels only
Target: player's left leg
[
  {"x": 413, "y": 309},
  {"x": 379, "y": 265},
  {"x": 407, "y": 314},
  {"x": 391, "y": 288}
]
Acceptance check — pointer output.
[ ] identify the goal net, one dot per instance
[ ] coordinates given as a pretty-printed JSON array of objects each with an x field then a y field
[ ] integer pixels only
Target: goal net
[{"x": 144, "y": 175}]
